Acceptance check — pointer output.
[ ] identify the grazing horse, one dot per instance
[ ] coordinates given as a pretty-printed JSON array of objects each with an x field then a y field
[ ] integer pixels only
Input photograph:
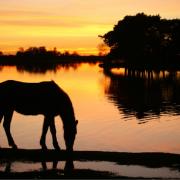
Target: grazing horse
[{"x": 45, "y": 98}]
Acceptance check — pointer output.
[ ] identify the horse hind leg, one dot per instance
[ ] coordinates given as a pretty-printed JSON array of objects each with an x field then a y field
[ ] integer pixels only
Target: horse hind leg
[
  {"x": 7, "y": 124},
  {"x": 44, "y": 132}
]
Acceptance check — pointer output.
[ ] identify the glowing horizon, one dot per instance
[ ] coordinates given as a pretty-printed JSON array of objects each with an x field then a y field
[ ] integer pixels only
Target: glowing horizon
[{"x": 72, "y": 25}]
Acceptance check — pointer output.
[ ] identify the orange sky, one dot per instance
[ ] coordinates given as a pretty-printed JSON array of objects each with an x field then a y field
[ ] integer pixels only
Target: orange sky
[{"x": 70, "y": 24}]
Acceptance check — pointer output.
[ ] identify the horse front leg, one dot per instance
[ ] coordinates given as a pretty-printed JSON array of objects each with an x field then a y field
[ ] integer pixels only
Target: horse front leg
[
  {"x": 6, "y": 125},
  {"x": 44, "y": 132},
  {"x": 53, "y": 133},
  {"x": 1, "y": 116}
]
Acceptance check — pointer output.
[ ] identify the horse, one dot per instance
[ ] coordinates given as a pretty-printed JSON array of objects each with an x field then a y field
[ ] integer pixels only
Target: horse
[{"x": 45, "y": 98}]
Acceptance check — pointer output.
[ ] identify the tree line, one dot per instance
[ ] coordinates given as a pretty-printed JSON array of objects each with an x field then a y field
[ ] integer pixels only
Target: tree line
[
  {"x": 144, "y": 39},
  {"x": 43, "y": 52},
  {"x": 33, "y": 57}
]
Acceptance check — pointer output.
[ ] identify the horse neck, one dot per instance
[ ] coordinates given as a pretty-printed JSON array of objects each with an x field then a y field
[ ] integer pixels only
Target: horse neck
[{"x": 67, "y": 115}]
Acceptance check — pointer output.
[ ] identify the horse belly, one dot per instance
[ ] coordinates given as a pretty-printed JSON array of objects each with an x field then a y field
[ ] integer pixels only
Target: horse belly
[
  {"x": 34, "y": 108},
  {"x": 28, "y": 109}
]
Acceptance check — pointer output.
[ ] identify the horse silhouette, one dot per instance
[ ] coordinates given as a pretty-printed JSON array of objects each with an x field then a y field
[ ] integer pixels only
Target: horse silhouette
[{"x": 45, "y": 98}]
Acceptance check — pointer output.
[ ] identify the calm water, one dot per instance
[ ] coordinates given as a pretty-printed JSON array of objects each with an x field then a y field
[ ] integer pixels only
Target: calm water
[{"x": 117, "y": 110}]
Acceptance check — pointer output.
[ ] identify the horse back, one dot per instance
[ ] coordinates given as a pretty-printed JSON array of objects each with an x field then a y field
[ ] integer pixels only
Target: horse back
[{"x": 32, "y": 98}]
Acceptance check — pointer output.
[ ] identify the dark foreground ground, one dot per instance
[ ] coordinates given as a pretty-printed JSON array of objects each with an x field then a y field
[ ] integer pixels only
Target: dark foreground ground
[{"x": 9, "y": 156}]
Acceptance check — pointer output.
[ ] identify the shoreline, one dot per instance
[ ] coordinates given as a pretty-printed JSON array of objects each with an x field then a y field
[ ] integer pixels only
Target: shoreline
[
  {"x": 146, "y": 159},
  {"x": 151, "y": 159}
]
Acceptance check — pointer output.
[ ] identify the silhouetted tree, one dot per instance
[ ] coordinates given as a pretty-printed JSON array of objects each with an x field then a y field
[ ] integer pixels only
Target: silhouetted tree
[
  {"x": 103, "y": 49},
  {"x": 55, "y": 52},
  {"x": 143, "y": 39},
  {"x": 40, "y": 52},
  {"x": 75, "y": 53},
  {"x": 66, "y": 53}
]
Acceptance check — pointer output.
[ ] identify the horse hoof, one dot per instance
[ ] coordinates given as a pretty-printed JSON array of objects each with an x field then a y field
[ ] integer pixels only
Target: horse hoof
[
  {"x": 44, "y": 148},
  {"x": 14, "y": 147},
  {"x": 57, "y": 148}
]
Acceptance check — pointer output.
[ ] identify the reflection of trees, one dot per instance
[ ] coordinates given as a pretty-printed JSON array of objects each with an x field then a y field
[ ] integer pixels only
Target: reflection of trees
[
  {"x": 1, "y": 68},
  {"x": 145, "y": 93},
  {"x": 43, "y": 68}
]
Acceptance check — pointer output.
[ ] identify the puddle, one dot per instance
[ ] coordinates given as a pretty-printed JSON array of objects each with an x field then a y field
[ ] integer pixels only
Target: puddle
[
  {"x": 98, "y": 166},
  {"x": 129, "y": 170}
]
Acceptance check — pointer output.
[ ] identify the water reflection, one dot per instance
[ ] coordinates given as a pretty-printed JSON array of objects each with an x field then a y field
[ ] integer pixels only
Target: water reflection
[
  {"x": 43, "y": 68},
  {"x": 46, "y": 67},
  {"x": 87, "y": 84},
  {"x": 15, "y": 169},
  {"x": 83, "y": 169},
  {"x": 53, "y": 67},
  {"x": 144, "y": 94}
]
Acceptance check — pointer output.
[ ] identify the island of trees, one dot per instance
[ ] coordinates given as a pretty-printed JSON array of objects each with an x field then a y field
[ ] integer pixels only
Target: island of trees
[{"x": 144, "y": 40}]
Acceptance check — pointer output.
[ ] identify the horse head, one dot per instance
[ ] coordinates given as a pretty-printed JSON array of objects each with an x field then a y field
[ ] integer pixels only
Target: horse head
[{"x": 70, "y": 131}]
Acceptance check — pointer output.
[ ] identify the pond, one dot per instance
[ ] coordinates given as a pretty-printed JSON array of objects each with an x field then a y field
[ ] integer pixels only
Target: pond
[{"x": 118, "y": 109}]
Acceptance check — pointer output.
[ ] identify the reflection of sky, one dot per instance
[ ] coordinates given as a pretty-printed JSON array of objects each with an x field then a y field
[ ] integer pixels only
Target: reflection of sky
[
  {"x": 70, "y": 24},
  {"x": 102, "y": 126},
  {"x": 129, "y": 170}
]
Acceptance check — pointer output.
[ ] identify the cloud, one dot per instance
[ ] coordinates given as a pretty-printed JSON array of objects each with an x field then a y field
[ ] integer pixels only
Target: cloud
[
  {"x": 42, "y": 19},
  {"x": 38, "y": 23},
  {"x": 20, "y": 12}
]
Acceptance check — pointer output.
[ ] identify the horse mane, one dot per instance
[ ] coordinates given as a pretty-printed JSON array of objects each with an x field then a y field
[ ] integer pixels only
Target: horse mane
[{"x": 68, "y": 104}]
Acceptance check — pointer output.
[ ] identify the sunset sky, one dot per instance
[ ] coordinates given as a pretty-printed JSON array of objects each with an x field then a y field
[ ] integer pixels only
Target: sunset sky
[{"x": 72, "y": 25}]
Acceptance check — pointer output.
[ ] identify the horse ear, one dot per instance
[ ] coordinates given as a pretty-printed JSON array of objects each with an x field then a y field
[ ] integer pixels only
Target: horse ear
[{"x": 76, "y": 122}]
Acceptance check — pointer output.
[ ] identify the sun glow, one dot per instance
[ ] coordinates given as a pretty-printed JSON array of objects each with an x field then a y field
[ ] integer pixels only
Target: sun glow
[{"x": 71, "y": 24}]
